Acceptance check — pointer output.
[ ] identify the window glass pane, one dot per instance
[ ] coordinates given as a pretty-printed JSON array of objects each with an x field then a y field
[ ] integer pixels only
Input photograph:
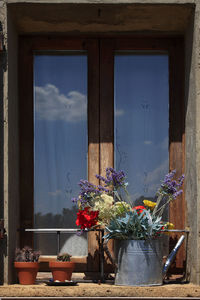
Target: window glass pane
[
  {"x": 60, "y": 146},
  {"x": 141, "y": 121}
]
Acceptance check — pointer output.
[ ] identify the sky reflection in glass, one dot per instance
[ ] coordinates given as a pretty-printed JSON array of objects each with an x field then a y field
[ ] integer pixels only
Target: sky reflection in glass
[
  {"x": 141, "y": 121},
  {"x": 60, "y": 141}
]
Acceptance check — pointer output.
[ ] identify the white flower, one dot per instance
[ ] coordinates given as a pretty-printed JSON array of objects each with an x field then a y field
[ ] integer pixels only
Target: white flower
[{"x": 104, "y": 206}]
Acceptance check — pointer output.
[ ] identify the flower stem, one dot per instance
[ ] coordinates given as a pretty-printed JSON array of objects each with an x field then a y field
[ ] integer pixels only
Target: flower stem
[
  {"x": 117, "y": 195},
  {"x": 161, "y": 209},
  {"x": 159, "y": 199},
  {"x": 128, "y": 196}
]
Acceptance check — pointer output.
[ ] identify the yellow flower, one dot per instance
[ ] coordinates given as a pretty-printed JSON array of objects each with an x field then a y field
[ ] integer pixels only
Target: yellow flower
[
  {"x": 169, "y": 225},
  {"x": 149, "y": 203}
]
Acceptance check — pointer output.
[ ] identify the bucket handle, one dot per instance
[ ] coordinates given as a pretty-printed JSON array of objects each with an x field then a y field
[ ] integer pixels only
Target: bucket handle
[{"x": 172, "y": 255}]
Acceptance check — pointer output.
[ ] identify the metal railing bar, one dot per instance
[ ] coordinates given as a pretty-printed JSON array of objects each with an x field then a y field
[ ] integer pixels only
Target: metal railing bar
[
  {"x": 74, "y": 230},
  {"x": 52, "y": 230},
  {"x": 176, "y": 230}
]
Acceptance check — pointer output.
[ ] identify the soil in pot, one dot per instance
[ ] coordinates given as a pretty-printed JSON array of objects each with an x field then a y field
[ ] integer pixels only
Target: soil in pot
[
  {"x": 27, "y": 271},
  {"x": 61, "y": 270}
]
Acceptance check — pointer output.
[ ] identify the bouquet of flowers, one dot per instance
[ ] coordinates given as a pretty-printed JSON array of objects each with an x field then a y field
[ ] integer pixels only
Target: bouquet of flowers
[{"x": 104, "y": 205}]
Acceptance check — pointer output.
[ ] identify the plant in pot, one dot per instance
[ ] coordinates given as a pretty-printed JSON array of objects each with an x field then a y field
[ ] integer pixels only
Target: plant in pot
[
  {"x": 26, "y": 264},
  {"x": 137, "y": 230},
  {"x": 62, "y": 268}
]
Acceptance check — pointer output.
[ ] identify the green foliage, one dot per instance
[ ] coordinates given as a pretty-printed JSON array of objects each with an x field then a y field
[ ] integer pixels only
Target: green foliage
[
  {"x": 120, "y": 209},
  {"x": 64, "y": 257},
  {"x": 134, "y": 225},
  {"x": 26, "y": 254}
]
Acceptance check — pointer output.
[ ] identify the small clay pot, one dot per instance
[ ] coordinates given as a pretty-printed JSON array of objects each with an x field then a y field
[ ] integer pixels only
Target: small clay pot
[
  {"x": 27, "y": 271},
  {"x": 61, "y": 270}
]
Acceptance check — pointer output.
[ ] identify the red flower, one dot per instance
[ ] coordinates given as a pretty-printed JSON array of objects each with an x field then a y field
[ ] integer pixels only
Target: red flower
[
  {"x": 139, "y": 209},
  {"x": 159, "y": 232},
  {"x": 87, "y": 218}
]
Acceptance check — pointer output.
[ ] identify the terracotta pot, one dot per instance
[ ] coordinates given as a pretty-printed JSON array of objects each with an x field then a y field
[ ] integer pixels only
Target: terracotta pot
[
  {"x": 27, "y": 271},
  {"x": 61, "y": 270}
]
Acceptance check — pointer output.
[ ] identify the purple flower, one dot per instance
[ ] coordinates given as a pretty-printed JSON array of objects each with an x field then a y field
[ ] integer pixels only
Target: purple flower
[
  {"x": 171, "y": 187},
  {"x": 113, "y": 177},
  {"x": 88, "y": 191},
  {"x": 103, "y": 189},
  {"x": 74, "y": 200}
]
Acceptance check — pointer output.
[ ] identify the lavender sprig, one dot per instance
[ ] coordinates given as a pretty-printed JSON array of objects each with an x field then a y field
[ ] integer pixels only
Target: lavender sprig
[
  {"x": 169, "y": 190},
  {"x": 88, "y": 191},
  {"x": 171, "y": 187},
  {"x": 113, "y": 178}
]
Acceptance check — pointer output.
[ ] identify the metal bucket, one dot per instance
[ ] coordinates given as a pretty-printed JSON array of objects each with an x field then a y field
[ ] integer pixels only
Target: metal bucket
[{"x": 139, "y": 262}]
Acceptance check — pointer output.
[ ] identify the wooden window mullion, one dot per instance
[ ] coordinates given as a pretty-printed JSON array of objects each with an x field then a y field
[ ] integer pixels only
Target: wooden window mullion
[
  {"x": 177, "y": 139},
  {"x": 107, "y": 117},
  {"x": 93, "y": 142}
]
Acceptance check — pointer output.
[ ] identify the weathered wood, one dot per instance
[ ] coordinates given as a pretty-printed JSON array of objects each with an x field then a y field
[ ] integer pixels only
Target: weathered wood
[
  {"x": 177, "y": 137},
  {"x": 93, "y": 142},
  {"x": 26, "y": 140},
  {"x": 1, "y": 42},
  {"x": 93, "y": 110},
  {"x": 106, "y": 105},
  {"x": 107, "y": 116}
]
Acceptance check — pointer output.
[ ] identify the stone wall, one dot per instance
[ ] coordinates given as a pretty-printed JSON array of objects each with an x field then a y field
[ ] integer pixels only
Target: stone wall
[{"x": 192, "y": 158}]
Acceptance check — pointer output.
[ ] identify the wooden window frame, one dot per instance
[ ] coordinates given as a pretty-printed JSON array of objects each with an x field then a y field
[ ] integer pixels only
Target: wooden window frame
[{"x": 100, "y": 118}]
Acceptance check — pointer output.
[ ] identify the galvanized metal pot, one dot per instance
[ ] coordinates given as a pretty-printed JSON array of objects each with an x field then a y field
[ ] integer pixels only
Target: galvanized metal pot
[{"x": 139, "y": 262}]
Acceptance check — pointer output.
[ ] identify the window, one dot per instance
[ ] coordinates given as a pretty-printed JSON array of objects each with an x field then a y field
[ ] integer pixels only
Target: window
[
  {"x": 141, "y": 85},
  {"x": 60, "y": 146},
  {"x": 109, "y": 69}
]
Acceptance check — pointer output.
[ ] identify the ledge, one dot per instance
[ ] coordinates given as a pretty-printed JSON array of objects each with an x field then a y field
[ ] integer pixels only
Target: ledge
[{"x": 94, "y": 290}]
